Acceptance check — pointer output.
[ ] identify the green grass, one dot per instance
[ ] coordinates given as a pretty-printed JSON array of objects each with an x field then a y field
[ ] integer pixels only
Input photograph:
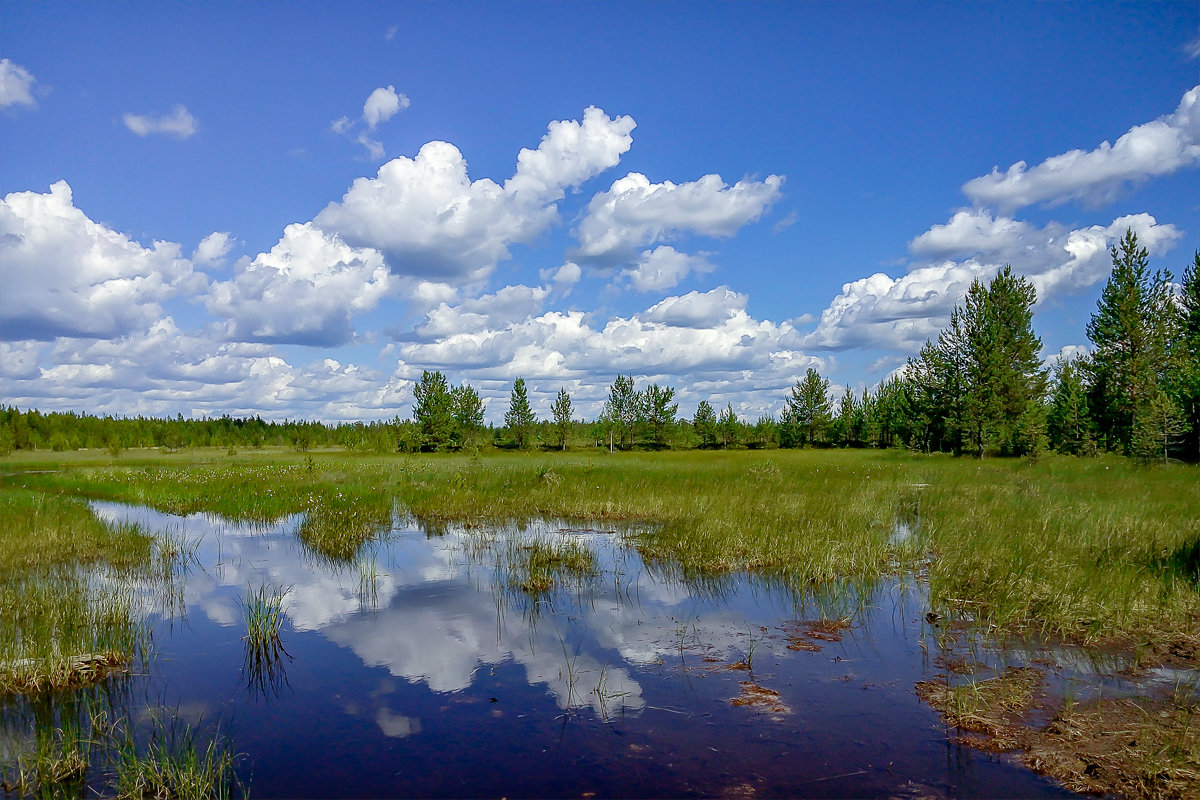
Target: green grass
[
  {"x": 60, "y": 626},
  {"x": 538, "y": 565},
  {"x": 174, "y": 763},
  {"x": 1090, "y": 548},
  {"x": 40, "y": 531}
]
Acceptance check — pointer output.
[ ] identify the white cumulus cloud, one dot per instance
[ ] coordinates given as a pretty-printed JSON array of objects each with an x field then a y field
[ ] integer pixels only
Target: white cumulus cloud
[
  {"x": 161, "y": 370},
  {"x": 432, "y": 221},
  {"x": 1159, "y": 147},
  {"x": 663, "y": 268},
  {"x": 16, "y": 85},
  {"x": 179, "y": 123},
  {"x": 65, "y": 275},
  {"x": 383, "y": 104},
  {"x": 213, "y": 248},
  {"x": 704, "y": 343},
  {"x": 635, "y": 213},
  {"x": 304, "y": 291}
]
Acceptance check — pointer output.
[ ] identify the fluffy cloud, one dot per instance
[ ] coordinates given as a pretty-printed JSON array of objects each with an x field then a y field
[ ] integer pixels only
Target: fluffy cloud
[
  {"x": 432, "y": 221},
  {"x": 161, "y": 370},
  {"x": 383, "y": 104},
  {"x": 570, "y": 153},
  {"x": 16, "y": 85},
  {"x": 697, "y": 309},
  {"x": 663, "y": 268},
  {"x": 635, "y": 213},
  {"x": 1155, "y": 148},
  {"x": 901, "y": 313},
  {"x": 65, "y": 275},
  {"x": 488, "y": 311},
  {"x": 564, "y": 277},
  {"x": 304, "y": 291},
  {"x": 179, "y": 123},
  {"x": 706, "y": 344},
  {"x": 380, "y": 106},
  {"x": 213, "y": 248}
]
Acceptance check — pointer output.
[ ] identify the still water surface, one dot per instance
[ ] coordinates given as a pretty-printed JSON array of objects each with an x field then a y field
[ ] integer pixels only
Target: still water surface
[{"x": 424, "y": 670}]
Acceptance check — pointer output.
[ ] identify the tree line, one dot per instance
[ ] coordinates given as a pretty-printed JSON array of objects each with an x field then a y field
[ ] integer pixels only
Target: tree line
[{"x": 980, "y": 388}]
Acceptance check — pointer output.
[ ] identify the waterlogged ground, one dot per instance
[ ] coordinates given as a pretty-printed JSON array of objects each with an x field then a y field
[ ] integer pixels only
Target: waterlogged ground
[{"x": 435, "y": 665}]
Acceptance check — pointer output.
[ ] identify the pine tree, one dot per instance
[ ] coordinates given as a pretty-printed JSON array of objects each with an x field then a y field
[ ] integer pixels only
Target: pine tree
[
  {"x": 809, "y": 402},
  {"x": 729, "y": 426},
  {"x": 467, "y": 411},
  {"x": 1124, "y": 364},
  {"x": 658, "y": 412},
  {"x": 1188, "y": 358},
  {"x": 788, "y": 432},
  {"x": 705, "y": 424},
  {"x": 1006, "y": 381},
  {"x": 432, "y": 410},
  {"x": 562, "y": 416},
  {"x": 621, "y": 408},
  {"x": 847, "y": 411},
  {"x": 520, "y": 418},
  {"x": 1069, "y": 422}
]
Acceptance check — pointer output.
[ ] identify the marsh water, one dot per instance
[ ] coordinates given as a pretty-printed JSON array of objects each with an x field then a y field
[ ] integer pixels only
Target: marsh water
[{"x": 426, "y": 667}]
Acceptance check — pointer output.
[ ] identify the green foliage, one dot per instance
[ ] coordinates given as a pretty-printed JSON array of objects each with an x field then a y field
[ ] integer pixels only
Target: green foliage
[
  {"x": 808, "y": 409},
  {"x": 621, "y": 409},
  {"x": 433, "y": 411},
  {"x": 658, "y": 412},
  {"x": 1187, "y": 358},
  {"x": 467, "y": 411},
  {"x": 705, "y": 424},
  {"x": 1069, "y": 420},
  {"x": 729, "y": 427},
  {"x": 981, "y": 386},
  {"x": 562, "y": 416},
  {"x": 520, "y": 418},
  {"x": 1006, "y": 381},
  {"x": 1130, "y": 334}
]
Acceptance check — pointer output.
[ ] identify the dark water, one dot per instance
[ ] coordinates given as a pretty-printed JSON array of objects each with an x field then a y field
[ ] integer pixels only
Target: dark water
[{"x": 424, "y": 670}]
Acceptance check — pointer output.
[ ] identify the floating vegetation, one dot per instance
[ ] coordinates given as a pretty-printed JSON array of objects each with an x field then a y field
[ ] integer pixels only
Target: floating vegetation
[
  {"x": 759, "y": 697},
  {"x": 811, "y": 635},
  {"x": 1138, "y": 747}
]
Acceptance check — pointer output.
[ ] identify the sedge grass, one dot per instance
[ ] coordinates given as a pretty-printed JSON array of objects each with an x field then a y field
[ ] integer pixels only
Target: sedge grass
[
  {"x": 262, "y": 610},
  {"x": 1098, "y": 548},
  {"x": 174, "y": 763},
  {"x": 538, "y": 565},
  {"x": 59, "y": 626}
]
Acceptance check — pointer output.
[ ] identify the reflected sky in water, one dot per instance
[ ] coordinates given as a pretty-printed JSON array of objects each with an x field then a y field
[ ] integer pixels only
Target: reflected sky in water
[{"x": 422, "y": 669}]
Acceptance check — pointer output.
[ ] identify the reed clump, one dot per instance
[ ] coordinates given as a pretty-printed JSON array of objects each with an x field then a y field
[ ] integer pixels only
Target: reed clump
[
  {"x": 262, "y": 610},
  {"x": 174, "y": 763},
  {"x": 538, "y": 565}
]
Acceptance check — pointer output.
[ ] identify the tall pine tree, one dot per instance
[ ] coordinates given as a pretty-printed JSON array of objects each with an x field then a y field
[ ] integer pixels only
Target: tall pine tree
[
  {"x": 562, "y": 416},
  {"x": 1188, "y": 360},
  {"x": 1130, "y": 341},
  {"x": 519, "y": 418}
]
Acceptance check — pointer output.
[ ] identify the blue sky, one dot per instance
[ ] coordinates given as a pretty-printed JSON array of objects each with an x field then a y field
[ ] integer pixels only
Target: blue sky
[{"x": 293, "y": 209}]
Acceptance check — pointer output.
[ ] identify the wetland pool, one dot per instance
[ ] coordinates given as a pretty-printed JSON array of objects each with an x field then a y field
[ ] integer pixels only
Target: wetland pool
[{"x": 435, "y": 665}]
